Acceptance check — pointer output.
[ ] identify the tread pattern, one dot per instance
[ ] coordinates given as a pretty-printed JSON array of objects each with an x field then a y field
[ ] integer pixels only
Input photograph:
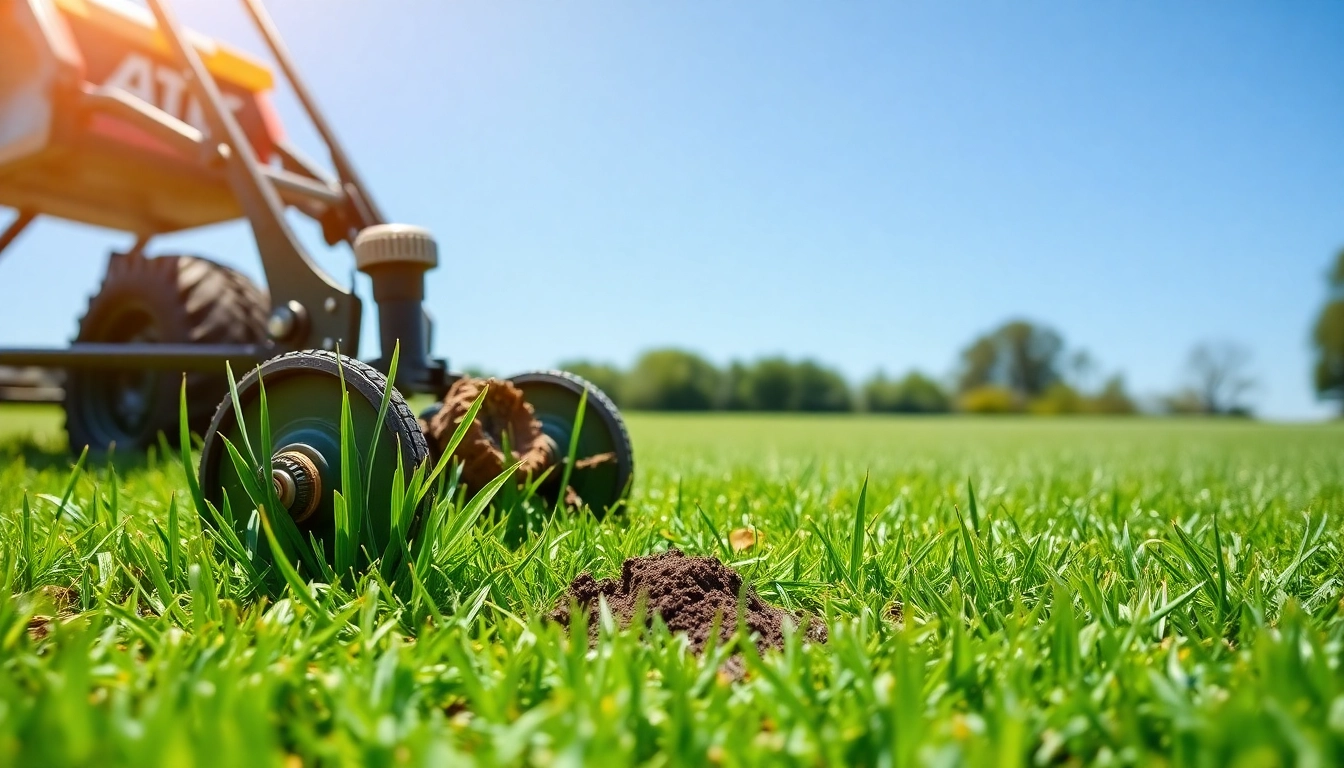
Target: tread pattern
[
  {"x": 223, "y": 307},
  {"x": 399, "y": 416},
  {"x": 193, "y": 301},
  {"x": 398, "y": 412}
]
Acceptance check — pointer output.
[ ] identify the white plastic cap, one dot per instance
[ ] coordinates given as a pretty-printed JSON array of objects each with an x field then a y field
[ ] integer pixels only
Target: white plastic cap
[{"x": 395, "y": 244}]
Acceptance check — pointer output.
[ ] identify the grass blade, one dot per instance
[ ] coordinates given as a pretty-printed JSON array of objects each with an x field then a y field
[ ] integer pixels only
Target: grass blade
[
  {"x": 856, "y": 546},
  {"x": 382, "y": 416},
  {"x": 188, "y": 466},
  {"x": 571, "y": 454},
  {"x": 291, "y": 576}
]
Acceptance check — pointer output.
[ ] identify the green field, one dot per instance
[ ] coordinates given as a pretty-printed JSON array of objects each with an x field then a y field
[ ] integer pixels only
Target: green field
[{"x": 1005, "y": 592}]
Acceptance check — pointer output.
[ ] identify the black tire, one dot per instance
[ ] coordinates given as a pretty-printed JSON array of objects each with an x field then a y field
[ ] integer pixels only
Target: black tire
[
  {"x": 303, "y": 390},
  {"x": 165, "y": 299},
  {"x": 555, "y": 397}
]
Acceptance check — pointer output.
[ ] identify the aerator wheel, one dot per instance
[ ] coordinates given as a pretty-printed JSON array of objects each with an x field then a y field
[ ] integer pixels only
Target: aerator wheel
[
  {"x": 554, "y": 396},
  {"x": 165, "y": 299},
  {"x": 303, "y": 398}
]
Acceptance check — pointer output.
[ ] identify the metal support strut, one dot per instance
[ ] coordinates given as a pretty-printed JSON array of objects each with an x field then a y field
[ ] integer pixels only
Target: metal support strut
[
  {"x": 15, "y": 229},
  {"x": 333, "y": 310}
]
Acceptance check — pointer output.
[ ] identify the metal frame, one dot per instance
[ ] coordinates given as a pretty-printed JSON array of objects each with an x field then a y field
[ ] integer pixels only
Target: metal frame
[
  {"x": 330, "y": 313},
  {"x": 112, "y": 356},
  {"x": 361, "y": 203},
  {"x": 15, "y": 228},
  {"x": 333, "y": 311}
]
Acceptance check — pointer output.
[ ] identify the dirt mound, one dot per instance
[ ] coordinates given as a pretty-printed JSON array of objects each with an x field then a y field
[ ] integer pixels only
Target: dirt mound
[{"x": 688, "y": 593}]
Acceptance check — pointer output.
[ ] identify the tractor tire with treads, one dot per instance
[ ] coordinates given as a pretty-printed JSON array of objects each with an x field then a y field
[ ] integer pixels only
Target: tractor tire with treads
[{"x": 168, "y": 300}]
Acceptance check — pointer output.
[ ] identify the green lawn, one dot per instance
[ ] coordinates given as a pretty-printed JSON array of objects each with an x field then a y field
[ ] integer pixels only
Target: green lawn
[
  {"x": 1122, "y": 592},
  {"x": 42, "y": 422}
]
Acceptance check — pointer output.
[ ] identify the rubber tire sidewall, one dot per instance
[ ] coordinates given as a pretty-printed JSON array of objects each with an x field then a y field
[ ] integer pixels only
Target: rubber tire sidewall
[
  {"x": 606, "y": 411},
  {"x": 83, "y": 424},
  {"x": 362, "y": 380},
  {"x": 157, "y": 287}
]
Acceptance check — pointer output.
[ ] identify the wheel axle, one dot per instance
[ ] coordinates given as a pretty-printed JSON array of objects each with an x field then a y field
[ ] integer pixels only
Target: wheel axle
[{"x": 297, "y": 483}]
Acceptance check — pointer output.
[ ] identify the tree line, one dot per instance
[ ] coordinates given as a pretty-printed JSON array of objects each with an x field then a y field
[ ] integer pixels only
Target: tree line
[
  {"x": 1328, "y": 338},
  {"x": 1018, "y": 367}
]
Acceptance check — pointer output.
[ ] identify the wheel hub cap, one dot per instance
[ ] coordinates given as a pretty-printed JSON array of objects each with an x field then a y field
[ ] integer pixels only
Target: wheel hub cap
[{"x": 297, "y": 483}]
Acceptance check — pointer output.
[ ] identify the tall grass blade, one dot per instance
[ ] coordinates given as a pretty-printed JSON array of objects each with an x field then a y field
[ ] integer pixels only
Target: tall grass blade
[
  {"x": 856, "y": 546},
  {"x": 174, "y": 540},
  {"x": 460, "y": 432},
  {"x": 247, "y": 474},
  {"x": 238, "y": 416},
  {"x": 383, "y": 405},
  {"x": 463, "y": 520},
  {"x": 572, "y": 452},
  {"x": 352, "y": 488},
  {"x": 26, "y": 546},
  {"x": 75, "y": 473},
  {"x": 291, "y": 576},
  {"x": 1219, "y": 560},
  {"x": 974, "y": 507},
  {"x": 184, "y": 445}
]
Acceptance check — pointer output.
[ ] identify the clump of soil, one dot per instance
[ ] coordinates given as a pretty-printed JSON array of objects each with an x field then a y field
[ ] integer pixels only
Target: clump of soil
[
  {"x": 505, "y": 418},
  {"x": 688, "y": 593}
]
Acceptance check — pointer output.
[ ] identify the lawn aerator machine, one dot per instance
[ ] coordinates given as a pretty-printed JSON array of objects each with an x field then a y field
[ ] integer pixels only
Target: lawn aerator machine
[{"x": 111, "y": 114}]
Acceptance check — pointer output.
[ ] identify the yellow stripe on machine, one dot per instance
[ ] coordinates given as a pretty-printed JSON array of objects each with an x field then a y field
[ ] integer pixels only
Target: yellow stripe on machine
[{"x": 135, "y": 24}]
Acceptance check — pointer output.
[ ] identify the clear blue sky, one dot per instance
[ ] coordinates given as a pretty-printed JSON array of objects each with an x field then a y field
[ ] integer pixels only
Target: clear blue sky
[{"x": 869, "y": 184}]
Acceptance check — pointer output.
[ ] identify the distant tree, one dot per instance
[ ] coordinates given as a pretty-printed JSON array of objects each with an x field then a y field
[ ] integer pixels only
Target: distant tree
[
  {"x": 671, "y": 380},
  {"x": 770, "y": 385},
  {"x": 1063, "y": 399},
  {"x": 604, "y": 376},
  {"x": 1328, "y": 336},
  {"x": 733, "y": 388},
  {"x": 1059, "y": 399},
  {"x": 989, "y": 399},
  {"x": 1019, "y": 356},
  {"x": 1219, "y": 374},
  {"x": 1183, "y": 402},
  {"x": 915, "y": 393},
  {"x": 1113, "y": 399},
  {"x": 817, "y": 388}
]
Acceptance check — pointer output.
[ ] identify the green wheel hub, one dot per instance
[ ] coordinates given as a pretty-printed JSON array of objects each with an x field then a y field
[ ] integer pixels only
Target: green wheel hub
[
  {"x": 555, "y": 396},
  {"x": 303, "y": 399}
]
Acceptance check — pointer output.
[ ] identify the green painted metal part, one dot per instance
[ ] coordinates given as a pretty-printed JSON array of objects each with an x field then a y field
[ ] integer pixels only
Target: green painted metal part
[
  {"x": 303, "y": 398},
  {"x": 555, "y": 396}
]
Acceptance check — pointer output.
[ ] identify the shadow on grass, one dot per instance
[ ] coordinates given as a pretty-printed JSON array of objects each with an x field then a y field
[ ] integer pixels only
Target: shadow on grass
[{"x": 43, "y": 454}]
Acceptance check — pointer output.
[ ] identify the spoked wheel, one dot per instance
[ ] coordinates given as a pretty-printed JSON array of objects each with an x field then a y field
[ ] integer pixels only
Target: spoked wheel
[
  {"x": 303, "y": 399},
  {"x": 605, "y": 458}
]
